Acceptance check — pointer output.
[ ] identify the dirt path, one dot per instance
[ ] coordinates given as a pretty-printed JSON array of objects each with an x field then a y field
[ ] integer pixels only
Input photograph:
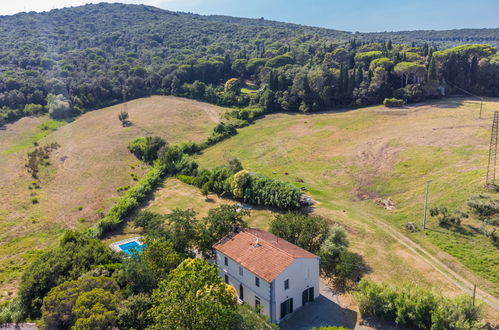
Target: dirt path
[{"x": 456, "y": 279}]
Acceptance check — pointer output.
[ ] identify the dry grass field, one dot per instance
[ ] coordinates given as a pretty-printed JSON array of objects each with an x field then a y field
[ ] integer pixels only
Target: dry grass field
[
  {"x": 81, "y": 181},
  {"x": 349, "y": 159}
]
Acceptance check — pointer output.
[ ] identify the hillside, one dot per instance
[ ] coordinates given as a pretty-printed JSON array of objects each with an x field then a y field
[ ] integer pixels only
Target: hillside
[
  {"x": 84, "y": 174},
  {"x": 348, "y": 160},
  {"x": 94, "y": 56}
]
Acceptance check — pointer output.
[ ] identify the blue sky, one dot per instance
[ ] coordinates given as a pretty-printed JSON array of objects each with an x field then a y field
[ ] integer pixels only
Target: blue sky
[{"x": 349, "y": 15}]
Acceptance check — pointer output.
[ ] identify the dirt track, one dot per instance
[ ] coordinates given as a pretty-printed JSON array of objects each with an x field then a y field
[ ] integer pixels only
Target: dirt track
[{"x": 453, "y": 277}]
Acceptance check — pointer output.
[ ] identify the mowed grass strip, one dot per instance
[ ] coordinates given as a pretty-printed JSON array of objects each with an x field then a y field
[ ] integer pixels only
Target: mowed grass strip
[{"x": 348, "y": 159}]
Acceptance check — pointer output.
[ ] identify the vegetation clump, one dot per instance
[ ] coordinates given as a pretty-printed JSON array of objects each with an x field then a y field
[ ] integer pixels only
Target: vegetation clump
[
  {"x": 146, "y": 148},
  {"x": 39, "y": 157},
  {"x": 416, "y": 308},
  {"x": 393, "y": 103}
]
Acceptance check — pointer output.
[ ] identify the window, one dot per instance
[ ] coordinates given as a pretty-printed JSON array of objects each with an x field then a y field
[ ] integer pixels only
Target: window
[
  {"x": 226, "y": 261},
  {"x": 258, "y": 306},
  {"x": 286, "y": 284},
  {"x": 240, "y": 271},
  {"x": 227, "y": 279},
  {"x": 257, "y": 281}
]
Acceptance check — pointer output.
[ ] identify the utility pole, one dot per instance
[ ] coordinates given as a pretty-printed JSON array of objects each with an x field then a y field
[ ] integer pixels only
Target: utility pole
[
  {"x": 490, "y": 180},
  {"x": 474, "y": 294},
  {"x": 426, "y": 204},
  {"x": 481, "y": 107}
]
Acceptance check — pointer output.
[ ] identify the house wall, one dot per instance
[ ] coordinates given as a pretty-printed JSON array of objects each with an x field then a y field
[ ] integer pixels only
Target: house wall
[
  {"x": 248, "y": 282},
  {"x": 302, "y": 274}
]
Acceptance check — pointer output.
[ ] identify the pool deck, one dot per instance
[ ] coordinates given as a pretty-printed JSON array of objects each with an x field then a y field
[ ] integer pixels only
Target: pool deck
[{"x": 116, "y": 245}]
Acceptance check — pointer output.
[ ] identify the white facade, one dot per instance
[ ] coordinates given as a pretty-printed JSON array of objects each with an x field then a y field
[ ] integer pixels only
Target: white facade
[{"x": 302, "y": 274}]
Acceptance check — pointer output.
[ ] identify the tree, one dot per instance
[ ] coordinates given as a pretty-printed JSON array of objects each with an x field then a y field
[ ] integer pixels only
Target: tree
[
  {"x": 194, "y": 297},
  {"x": 308, "y": 232},
  {"x": 332, "y": 248},
  {"x": 239, "y": 182},
  {"x": 87, "y": 299},
  {"x": 96, "y": 309},
  {"x": 75, "y": 255},
  {"x": 134, "y": 276},
  {"x": 410, "y": 71},
  {"x": 205, "y": 190},
  {"x": 58, "y": 106},
  {"x": 219, "y": 222},
  {"x": 133, "y": 312},
  {"x": 151, "y": 223},
  {"x": 233, "y": 85},
  {"x": 182, "y": 230},
  {"x": 123, "y": 117},
  {"x": 160, "y": 257}
]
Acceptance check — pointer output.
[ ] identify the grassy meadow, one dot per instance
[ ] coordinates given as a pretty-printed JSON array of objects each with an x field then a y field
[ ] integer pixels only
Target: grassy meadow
[
  {"x": 348, "y": 159},
  {"x": 84, "y": 173}
]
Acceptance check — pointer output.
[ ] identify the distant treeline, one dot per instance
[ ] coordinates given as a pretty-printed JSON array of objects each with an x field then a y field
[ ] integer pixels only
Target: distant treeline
[{"x": 77, "y": 59}]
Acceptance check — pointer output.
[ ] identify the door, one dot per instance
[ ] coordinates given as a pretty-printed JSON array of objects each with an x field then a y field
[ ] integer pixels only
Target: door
[
  {"x": 241, "y": 292},
  {"x": 311, "y": 294},
  {"x": 307, "y": 295},
  {"x": 286, "y": 307}
]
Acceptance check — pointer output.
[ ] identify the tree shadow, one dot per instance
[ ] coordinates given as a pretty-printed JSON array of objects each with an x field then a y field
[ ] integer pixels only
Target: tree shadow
[{"x": 343, "y": 285}]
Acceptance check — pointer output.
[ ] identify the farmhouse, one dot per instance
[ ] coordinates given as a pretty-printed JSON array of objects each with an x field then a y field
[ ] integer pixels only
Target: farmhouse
[{"x": 268, "y": 273}]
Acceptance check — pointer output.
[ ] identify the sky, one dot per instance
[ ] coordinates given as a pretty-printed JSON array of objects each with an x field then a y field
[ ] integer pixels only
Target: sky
[{"x": 347, "y": 15}]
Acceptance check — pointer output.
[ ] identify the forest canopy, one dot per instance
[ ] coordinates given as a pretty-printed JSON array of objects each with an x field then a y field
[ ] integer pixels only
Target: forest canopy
[{"x": 68, "y": 61}]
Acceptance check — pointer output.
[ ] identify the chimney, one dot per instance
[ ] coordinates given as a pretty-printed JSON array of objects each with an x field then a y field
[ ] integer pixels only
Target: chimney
[{"x": 257, "y": 243}]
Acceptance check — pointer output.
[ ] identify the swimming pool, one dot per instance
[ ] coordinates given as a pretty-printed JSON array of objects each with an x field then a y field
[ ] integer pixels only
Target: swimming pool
[{"x": 131, "y": 247}]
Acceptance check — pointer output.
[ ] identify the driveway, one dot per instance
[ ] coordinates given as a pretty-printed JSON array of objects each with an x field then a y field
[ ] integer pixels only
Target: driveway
[{"x": 322, "y": 312}]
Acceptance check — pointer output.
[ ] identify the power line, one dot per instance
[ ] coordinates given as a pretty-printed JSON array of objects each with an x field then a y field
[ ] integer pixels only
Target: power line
[{"x": 469, "y": 93}]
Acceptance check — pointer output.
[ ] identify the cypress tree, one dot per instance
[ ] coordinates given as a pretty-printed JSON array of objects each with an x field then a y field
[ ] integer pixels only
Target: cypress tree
[{"x": 432, "y": 70}]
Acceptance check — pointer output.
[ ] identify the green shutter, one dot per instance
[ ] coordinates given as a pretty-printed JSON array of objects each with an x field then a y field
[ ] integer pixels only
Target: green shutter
[{"x": 283, "y": 309}]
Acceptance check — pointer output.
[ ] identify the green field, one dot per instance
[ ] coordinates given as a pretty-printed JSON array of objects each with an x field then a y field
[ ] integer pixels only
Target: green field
[{"x": 348, "y": 159}]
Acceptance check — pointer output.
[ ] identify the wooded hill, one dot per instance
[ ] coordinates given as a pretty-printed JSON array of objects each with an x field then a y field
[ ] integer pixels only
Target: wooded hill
[{"x": 71, "y": 60}]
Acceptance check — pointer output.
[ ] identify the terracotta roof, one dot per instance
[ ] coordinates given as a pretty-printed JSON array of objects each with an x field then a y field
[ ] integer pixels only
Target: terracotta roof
[{"x": 267, "y": 259}]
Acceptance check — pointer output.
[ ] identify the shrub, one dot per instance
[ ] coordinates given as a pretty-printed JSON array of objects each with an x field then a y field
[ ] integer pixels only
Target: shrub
[
  {"x": 393, "y": 103},
  {"x": 187, "y": 179},
  {"x": 146, "y": 148},
  {"x": 262, "y": 190},
  {"x": 484, "y": 206},
  {"x": 416, "y": 308}
]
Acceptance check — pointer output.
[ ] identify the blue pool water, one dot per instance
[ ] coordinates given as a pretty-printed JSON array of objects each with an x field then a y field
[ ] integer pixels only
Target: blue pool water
[{"x": 132, "y": 247}]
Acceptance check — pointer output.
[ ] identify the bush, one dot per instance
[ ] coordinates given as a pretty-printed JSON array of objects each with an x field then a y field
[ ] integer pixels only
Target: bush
[
  {"x": 416, "y": 308},
  {"x": 146, "y": 148},
  {"x": 262, "y": 190},
  {"x": 131, "y": 199},
  {"x": 393, "y": 103}
]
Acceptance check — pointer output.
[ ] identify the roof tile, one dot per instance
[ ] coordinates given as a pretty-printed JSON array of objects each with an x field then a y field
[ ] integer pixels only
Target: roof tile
[{"x": 267, "y": 259}]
